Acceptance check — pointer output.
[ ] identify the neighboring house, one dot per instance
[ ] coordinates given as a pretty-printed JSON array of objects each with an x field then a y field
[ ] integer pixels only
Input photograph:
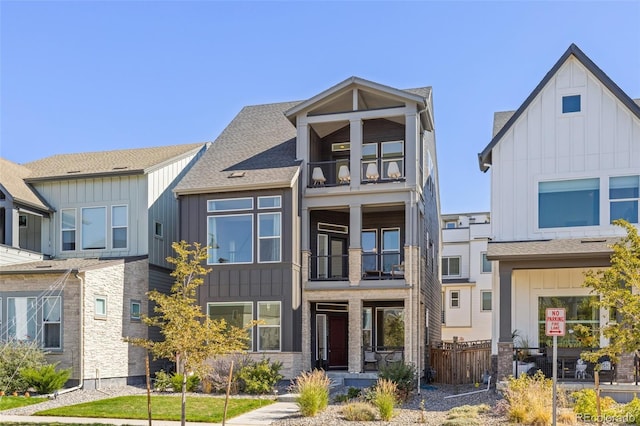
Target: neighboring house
[
  {"x": 322, "y": 219},
  {"x": 467, "y": 297},
  {"x": 564, "y": 166},
  {"x": 111, "y": 221}
]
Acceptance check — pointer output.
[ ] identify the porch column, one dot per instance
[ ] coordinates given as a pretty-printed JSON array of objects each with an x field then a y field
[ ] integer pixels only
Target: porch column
[
  {"x": 306, "y": 334},
  {"x": 505, "y": 341},
  {"x": 305, "y": 229},
  {"x": 411, "y": 156},
  {"x": 302, "y": 148},
  {"x": 355, "y": 334},
  {"x": 355, "y": 249},
  {"x": 355, "y": 134}
]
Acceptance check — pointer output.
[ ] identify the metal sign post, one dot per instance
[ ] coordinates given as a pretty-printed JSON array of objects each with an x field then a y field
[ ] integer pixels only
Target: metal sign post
[{"x": 555, "y": 326}]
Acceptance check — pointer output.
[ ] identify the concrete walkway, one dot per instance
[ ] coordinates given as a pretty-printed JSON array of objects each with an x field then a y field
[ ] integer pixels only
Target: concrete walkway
[{"x": 261, "y": 416}]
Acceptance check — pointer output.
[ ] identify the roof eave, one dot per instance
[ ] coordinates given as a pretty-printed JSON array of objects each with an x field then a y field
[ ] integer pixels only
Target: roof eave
[
  {"x": 86, "y": 175},
  {"x": 549, "y": 256}
]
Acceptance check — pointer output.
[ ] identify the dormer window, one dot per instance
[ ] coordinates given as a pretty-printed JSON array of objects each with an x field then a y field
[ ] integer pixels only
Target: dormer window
[{"x": 570, "y": 104}]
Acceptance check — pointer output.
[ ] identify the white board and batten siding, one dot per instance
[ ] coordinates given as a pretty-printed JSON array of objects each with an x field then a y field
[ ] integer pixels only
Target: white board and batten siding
[{"x": 600, "y": 141}]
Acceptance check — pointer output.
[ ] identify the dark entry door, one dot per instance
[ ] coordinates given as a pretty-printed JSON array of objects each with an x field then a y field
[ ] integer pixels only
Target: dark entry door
[{"x": 337, "y": 344}]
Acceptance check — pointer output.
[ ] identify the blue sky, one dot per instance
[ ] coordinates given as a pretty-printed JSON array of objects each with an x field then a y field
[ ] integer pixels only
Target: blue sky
[{"x": 90, "y": 76}]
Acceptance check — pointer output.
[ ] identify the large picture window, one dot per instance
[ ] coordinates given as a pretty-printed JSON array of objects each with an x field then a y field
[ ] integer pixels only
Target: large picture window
[
  {"x": 624, "y": 194},
  {"x": 51, "y": 322},
  {"x": 236, "y": 314},
  {"x": 579, "y": 310},
  {"x": 68, "y": 217},
  {"x": 230, "y": 239},
  {"x": 94, "y": 234},
  {"x": 569, "y": 203},
  {"x": 119, "y": 227},
  {"x": 269, "y": 329},
  {"x": 269, "y": 237},
  {"x": 390, "y": 327}
]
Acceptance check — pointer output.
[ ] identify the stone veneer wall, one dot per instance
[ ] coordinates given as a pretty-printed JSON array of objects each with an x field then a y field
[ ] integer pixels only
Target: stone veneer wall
[{"x": 108, "y": 359}]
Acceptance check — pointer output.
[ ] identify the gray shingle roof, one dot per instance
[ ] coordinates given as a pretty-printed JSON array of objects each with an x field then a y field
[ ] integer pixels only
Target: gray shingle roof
[
  {"x": 484, "y": 157},
  {"x": 12, "y": 177},
  {"x": 125, "y": 161},
  {"x": 583, "y": 247},
  {"x": 260, "y": 142}
]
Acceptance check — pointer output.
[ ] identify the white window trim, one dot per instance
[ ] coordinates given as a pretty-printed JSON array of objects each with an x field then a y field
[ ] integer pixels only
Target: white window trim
[
  {"x": 101, "y": 316},
  {"x": 105, "y": 227},
  {"x": 240, "y": 302},
  {"x": 275, "y": 197},
  {"x": 447, "y": 258},
  {"x": 617, "y": 200},
  {"x": 279, "y": 237},
  {"x": 34, "y": 338},
  {"x": 131, "y": 316},
  {"x": 570, "y": 92},
  {"x": 253, "y": 238},
  {"x": 483, "y": 255},
  {"x": 209, "y": 210},
  {"x": 46, "y": 321},
  {"x": 602, "y": 187},
  {"x": 270, "y": 326},
  {"x": 63, "y": 229},
  {"x": 451, "y": 293},
  {"x": 125, "y": 226},
  {"x": 482, "y": 301}
]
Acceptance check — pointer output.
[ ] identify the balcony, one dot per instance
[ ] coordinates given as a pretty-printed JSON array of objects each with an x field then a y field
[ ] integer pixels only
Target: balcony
[
  {"x": 338, "y": 172},
  {"x": 382, "y": 266}
]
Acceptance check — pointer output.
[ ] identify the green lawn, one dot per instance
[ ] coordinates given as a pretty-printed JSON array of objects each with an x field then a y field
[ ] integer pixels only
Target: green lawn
[
  {"x": 199, "y": 409},
  {"x": 8, "y": 402}
]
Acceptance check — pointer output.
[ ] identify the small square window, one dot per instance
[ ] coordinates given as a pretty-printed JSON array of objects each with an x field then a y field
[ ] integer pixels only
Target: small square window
[
  {"x": 101, "y": 307},
  {"x": 22, "y": 221},
  {"x": 158, "y": 231},
  {"x": 570, "y": 104},
  {"x": 135, "y": 310},
  {"x": 455, "y": 299}
]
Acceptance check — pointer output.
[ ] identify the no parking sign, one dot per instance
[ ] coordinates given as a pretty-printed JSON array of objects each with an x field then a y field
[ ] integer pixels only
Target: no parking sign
[{"x": 555, "y": 322}]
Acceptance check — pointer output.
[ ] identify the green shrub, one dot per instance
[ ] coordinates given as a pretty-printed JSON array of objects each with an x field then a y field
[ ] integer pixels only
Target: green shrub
[
  {"x": 313, "y": 392},
  {"x": 353, "y": 393},
  {"x": 358, "y": 412},
  {"x": 162, "y": 382},
  {"x": 403, "y": 375},
  {"x": 192, "y": 382},
  {"x": 45, "y": 379},
  {"x": 385, "y": 398},
  {"x": 529, "y": 399},
  {"x": 585, "y": 404},
  {"x": 631, "y": 410},
  {"x": 15, "y": 356},
  {"x": 260, "y": 377},
  {"x": 218, "y": 373}
]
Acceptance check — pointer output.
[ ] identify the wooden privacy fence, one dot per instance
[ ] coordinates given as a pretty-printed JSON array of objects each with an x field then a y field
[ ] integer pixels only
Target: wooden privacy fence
[{"x": 461, "y": 362}]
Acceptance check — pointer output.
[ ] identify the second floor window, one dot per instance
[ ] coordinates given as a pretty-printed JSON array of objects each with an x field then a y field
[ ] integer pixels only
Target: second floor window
[
  {"x": 94, "y": 228},
  {"x": 119, "y": 226},
  {"x": 230, "y": 238},
  {"x": 269, "y": 234},
  {"x": 624, "y": 195},
  {"x": 450, "y": 266},
  {"x": 569, "y": 203},
  {"x": 486, "y": 264},
  {"x": 68, "y": 217}
]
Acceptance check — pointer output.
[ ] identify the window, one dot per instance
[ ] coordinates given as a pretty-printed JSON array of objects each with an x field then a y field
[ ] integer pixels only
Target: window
[
  {"x": 94, "y": 222},
  {"x": 485, "y": 300},
  {"x": 68, "y": 217},
  {"x": 235, "y": 314},
  {"x": 367, "y": 324},
  {"x": 135, "y": 310},
  {"x": 450, "y": 225},
  {"x": 340, "y": 146},
  {"x": 269, "y": 237},
  {"x": 369, "y": 250},
  {"x": 369, "y": 156},
  {"x": 579, "y": 310},
  {"x": 230, "y": 204},
  {"x": 486, "y": 264},
  {"x": 230, "y": 239},
  {"x": 51, "y": 322},
  {"x": 454, "y": 299},
  {"x": 569, "y": 203},
  {"x": 390, "y": 248},
  {"x": 157, "y": 229},
  {"x": 450, "y": 266},
  {"x": 570, "y": 104},
  {"x": 22, "y": 221},
  {"x": 269, "y": 332},
  {"x": 21, "y": 318},
  {"x": 392, "y": 151},
  {"x": 624, "y": 194},
  {"x": 100, "y": 307},
  {"x": 269, "y": 202},
  {"x": 119, "y": 226},
  {"x": 390, "y": 327}
]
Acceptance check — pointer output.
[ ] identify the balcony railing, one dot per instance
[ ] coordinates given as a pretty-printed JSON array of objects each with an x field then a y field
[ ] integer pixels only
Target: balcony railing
[
  {"x": 337, "y": 172},
  {"x": 385, "y": 265},
  {"x": 329, "y": 173},
  {"x": 334, "y": 267},
  {"x": 382, "y": 169}
]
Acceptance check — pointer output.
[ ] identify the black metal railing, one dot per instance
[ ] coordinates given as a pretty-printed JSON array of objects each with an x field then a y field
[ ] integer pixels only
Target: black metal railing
[
  {"x": 328, "y": 173},
  {"x": 327, "y": 267},
  {"x": 386, "y": 265},
  {"x": 382, "y": 169}
]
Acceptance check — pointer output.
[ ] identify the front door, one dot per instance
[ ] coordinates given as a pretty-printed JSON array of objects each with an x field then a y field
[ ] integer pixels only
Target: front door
[{"x": 338, "y": 352}]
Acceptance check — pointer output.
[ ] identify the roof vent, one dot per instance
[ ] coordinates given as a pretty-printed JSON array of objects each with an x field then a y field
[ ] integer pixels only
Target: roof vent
[
  {"x": 120, "y": 168},
  {"x": 593, "y": 240},
  {"x": 237, "y": 174},
  {"x": 73, "y": 171},
  {"x": 43, "y": 266}
]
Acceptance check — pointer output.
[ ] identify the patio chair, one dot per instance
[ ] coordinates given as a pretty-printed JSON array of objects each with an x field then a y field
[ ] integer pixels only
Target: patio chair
[
  {"x": 393, "y": 358},
  {"x": 370, "y": 357}
]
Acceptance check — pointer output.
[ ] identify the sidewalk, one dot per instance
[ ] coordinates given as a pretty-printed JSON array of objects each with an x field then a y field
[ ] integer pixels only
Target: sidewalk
[{"x": 261, "y": 416}]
